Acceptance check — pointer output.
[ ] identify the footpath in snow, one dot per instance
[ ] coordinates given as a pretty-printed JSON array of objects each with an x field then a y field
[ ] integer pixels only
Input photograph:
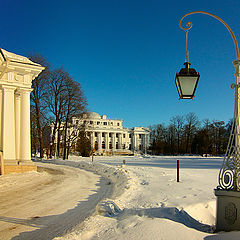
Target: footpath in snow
[{"x": 48, "y": 203}]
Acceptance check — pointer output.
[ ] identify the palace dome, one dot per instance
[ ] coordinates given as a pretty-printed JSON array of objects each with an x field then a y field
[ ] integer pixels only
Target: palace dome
[{"x": 94, "y": 115}]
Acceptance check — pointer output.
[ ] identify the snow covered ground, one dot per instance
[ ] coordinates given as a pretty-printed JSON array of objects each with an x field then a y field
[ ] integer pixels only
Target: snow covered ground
[
  {"x": 153, "y": 204},
  {"x": 146, "y": 202}
]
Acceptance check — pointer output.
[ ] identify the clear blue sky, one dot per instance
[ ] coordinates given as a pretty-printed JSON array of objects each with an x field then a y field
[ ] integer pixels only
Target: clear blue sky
[{"x": 125, "y": 53}]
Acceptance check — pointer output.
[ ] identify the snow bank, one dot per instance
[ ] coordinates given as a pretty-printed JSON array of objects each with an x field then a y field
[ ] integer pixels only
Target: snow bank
[{"x": 148, "y": 203}]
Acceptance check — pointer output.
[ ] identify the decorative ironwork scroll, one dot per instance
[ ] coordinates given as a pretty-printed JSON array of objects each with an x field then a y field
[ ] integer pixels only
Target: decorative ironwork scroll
[{"x": 229, "y": 176}]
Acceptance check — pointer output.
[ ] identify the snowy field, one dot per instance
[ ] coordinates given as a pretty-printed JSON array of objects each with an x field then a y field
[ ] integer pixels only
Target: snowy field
[
  {"x": 153, "y": 204},
  {"x": 139, "y": 200}
]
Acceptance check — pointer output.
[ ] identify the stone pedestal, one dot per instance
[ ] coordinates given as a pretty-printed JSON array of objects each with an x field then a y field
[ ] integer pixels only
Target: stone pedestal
[{"x": 228, "y": 210}]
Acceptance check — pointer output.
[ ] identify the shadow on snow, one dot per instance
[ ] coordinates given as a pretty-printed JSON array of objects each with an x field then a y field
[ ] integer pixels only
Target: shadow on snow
[{"x": 170, "y": 213}]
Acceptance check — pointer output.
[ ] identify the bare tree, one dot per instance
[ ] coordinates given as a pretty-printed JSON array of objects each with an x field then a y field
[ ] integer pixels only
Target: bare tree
[
  {"x": 56, "y": 102},
  {"x": 178, "y": 123},
  {"x": 75, "y": 106},
  {"x": 40, "y": 89}
]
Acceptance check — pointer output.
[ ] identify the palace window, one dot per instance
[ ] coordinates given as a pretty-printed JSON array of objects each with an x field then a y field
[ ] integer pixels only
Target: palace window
[
  {"x": 130, "y": 147},
  {"x": 110, "y": 145},
  {"x": 110, "y": 134},
  {"x": 103, "y": 145},
  {"x": 95, "y": 134},
  {"x": 124, "y": 135},
  {"x": 98, "y": 123},
  {"x": 104, "y": 123},
  {"x": 117, "y": 145},
  {"x": 103, "y": 134},
  {"x": 117, "y": 135}
]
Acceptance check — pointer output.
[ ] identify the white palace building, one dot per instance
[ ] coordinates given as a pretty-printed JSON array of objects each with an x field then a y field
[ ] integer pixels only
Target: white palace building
[{"x": 109, "y": 137}]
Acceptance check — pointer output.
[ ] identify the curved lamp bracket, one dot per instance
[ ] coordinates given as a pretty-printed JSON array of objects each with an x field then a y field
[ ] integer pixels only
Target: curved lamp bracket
[{"x": 189, "y": 26}]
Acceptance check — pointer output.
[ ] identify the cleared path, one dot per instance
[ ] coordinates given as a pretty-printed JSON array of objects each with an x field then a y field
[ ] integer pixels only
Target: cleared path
[{"x": 48, "y": 203}]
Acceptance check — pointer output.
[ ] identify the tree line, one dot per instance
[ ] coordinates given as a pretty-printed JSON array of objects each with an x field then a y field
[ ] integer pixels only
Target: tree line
[
  {"x": 55, "y": 99},
  {"x": 187, "y": 135}
]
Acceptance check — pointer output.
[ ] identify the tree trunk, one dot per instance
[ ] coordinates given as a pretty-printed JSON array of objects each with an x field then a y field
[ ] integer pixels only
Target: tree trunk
[
  {"x": 52, "y": 140},
  {"x": 58, "y": 140},
  {"x": 39, "y": 129},
  {"x": 65, "y": 141}
]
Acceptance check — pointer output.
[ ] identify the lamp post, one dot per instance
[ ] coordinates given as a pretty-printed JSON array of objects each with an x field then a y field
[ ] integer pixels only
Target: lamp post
[{"x": 228, "y": 190}]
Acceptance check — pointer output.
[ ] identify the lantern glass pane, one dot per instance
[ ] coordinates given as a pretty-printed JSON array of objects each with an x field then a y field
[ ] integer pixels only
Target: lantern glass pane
[{"x": 187, "y": 85}]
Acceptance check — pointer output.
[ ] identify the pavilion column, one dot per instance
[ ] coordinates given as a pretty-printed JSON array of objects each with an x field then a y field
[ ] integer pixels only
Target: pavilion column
[
  {"x": 17, "y": 123},
  {"x": 25, "y": 137},
  {"x": 8, "y": 125}
]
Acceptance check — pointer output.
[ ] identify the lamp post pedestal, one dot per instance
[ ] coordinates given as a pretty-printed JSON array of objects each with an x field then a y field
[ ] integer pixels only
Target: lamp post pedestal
[{"x": 228, "y": 210}]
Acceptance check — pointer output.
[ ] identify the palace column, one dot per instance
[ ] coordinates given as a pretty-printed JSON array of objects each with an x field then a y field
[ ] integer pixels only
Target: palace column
[
  {"x": 120, "y": 140},
  {"x": 8, "y": 126},
  {"x": 113, "y": 141},
  {"x": 25, "y": 136},
  {"x": 133, "y": 141},
  {"x": 136, "y": 142},
  {"x": 107, "y": 141},
  {"x": 92, "y": 140},
  {"x": 99, "y": 137},
  {"x": 146, "y": 142}
]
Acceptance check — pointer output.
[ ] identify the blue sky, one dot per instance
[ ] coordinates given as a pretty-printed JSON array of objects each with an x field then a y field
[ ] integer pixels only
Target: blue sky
[{"x": 125, "y": 53}]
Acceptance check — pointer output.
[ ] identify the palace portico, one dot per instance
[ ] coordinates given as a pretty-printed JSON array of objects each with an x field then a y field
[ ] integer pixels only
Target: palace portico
[
  {"x": 108, "y": 135},
  {"x": 16, "y": 75}
]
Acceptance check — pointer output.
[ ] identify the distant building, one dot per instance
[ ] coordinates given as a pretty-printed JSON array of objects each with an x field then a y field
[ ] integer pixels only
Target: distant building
[{"x": 108, "y": 136}]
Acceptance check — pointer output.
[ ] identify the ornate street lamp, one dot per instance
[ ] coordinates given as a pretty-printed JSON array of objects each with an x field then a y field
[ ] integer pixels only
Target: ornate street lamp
[
  {"x": 186, "y": 81},
  {"x": 228, "y": 191}
]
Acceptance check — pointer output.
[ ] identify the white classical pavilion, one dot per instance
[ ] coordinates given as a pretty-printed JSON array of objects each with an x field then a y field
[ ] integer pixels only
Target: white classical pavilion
[
  {"x": 16, "y": 75},
  {"x": 109, "y": 137}
]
